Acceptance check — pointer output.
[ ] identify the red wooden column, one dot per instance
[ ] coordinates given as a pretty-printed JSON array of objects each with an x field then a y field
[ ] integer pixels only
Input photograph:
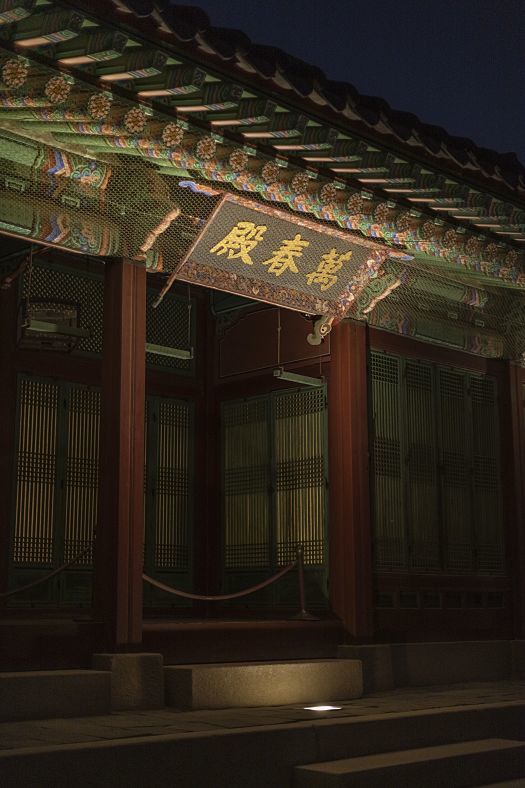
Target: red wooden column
[
  {"x": 350, "y": 529},
  {"x": 120, "y": 530},
  {"x": 8, "y": 314},
  {"x": 516, "y": 511}
]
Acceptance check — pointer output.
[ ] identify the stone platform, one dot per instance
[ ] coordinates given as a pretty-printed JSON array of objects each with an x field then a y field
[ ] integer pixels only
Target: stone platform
[
  {"x": 262, "y": 684},
  {"x": 259, "y": 747}
]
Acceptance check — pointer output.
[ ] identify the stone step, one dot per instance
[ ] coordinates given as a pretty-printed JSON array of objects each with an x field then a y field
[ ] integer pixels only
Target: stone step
[
  {"x": 233, "y": 685},
  {"x": 421, "y": 664},
  {"x": 505, "y": 784},
  {"x": 42, "y": 694},
  {"x": 254, "y": 755},
  {"x": 450, "y": 765}
]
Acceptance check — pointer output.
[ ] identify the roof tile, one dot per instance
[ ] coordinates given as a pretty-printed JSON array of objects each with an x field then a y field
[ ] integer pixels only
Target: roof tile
[{"x": 308, "y": 81}]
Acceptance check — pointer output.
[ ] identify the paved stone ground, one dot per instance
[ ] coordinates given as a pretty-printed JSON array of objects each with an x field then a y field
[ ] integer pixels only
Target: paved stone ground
[{"x": 127, "y": 725}]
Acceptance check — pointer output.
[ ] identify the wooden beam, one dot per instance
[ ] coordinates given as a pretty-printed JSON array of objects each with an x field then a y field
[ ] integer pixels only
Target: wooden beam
[
  {"x": 350, "y": 524},
  {"x": 120, "y": 530}
]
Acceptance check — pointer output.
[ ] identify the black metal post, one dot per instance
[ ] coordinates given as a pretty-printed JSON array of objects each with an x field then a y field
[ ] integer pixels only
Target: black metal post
[{"x": 303, "y": 614}]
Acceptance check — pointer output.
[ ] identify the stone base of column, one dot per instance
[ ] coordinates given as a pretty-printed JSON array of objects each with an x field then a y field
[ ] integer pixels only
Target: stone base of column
[{"x": 137, "y": 680}]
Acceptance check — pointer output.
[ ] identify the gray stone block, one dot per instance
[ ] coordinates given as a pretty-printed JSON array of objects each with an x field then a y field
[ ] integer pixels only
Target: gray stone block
[
  {"x": 377, "y": 665},
  {"x": 43, "y": 694},
  {"x": 137, "y": 680},
  {"x": 268, "y": 684},
  {"x": 420, "y": 664}
]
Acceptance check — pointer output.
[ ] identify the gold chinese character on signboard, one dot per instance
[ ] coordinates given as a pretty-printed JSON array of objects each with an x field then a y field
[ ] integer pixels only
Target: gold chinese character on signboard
[
  {"x": 240, "y": 241},
  {"x": 324, "y": 274},
  {"x": 284, "y": 258}
]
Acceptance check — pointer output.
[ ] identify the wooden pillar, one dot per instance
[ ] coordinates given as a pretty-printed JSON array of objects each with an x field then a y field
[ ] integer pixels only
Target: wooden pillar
[
  {"x": 8, "y": 316},
  {"x": 350, "y": 529},
  {"x": 515, "y": 425},
  {"x": 120, "y": 530}
]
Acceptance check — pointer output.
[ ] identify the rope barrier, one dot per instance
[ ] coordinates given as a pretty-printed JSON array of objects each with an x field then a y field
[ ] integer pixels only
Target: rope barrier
[
  {"x": 57, "y": 571},
  {"x": 303, "y": 614},
  {"x": 219, "y": 597}
]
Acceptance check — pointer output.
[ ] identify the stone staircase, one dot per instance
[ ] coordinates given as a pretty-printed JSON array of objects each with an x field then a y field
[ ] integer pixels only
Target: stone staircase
[
  {"x": 273, "y": 748},
  {"x": 458, "y": 764},
  {"x": 134, "y": 721}
]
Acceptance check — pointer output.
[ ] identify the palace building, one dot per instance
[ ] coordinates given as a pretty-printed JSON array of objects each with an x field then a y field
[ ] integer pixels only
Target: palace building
[{"x": 248, "y": 317}]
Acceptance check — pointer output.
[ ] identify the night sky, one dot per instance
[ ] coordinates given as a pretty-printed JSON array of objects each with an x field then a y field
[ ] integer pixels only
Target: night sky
[{"x": 459, "y": 64}]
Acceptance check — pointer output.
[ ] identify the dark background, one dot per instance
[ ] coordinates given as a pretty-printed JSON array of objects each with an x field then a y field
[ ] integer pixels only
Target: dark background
[{"x": 459, "y": 64}]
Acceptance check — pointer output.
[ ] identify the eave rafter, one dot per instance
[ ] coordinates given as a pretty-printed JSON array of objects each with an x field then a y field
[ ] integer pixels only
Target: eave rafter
[{"x": 157, "y": 102}]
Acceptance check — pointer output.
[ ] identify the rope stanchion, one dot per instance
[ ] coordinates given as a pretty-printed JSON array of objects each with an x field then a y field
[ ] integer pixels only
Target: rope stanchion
[
  {"x": 302, "y": 615},
  {"x": 6, "y": 594}
]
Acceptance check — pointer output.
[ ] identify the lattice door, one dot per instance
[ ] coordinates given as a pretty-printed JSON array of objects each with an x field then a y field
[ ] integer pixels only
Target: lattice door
[
  {"x": 456, "y": 471},
  {"x": 56, "y": 488},
  {"x": 56, "y": 491},
  {"x": 421, "y": 467},
  {"x": 486, "y": 477},
  {"x": 274, "y": 488},
  {"x": 168, "y": 506},
  {"x": 390, "y": 541},
  {"x": 436, "y": 474}
]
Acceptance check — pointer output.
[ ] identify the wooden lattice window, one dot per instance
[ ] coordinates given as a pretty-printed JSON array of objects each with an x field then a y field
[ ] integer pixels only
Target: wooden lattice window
[
  {"x": 437, "y": 497},
  {"x": 274, "y": 486},
  {"x": 168, "y": 492},
  {"x": 56, "y": 488}
]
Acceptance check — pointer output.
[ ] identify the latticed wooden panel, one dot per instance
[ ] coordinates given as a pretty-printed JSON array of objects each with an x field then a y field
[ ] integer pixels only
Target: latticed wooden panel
[
  {"x": 57, "y": 480},
  {"x": 174, "y": 481},
  {"x": 274, "y": 465},
  {"x": 57, "y": 473},
  {"x": 456, "y": 498},
  {"x": 300, "y": 475},
  {"x": 33, "y": 535},
  {"x": 246, "y": 474},
  {"x": 421, "y": 467},
  {"x": 170, "y": 324},
  {"x": 486, "y": 476},
  {"x": 82, "y": 469},
  {"x": 436, "y": 475},
  {"x": 390, "y": 545},
  {"x": 55, "y": 285}
]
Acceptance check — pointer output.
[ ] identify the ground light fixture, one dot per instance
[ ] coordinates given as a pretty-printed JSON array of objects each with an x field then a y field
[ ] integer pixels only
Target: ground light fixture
[{"x": 322, "y": 708}]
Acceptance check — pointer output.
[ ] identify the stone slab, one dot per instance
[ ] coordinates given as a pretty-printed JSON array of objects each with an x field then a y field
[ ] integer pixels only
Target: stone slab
[
  {"x": 263, "y": 684},
  {"x": 424, "y": 664},
  {"x": 42, "y": 694},
  {"x": 451, "y": 764},
  {"x": 386, "y": 666},
  {"x": 258, "y": 756},
  {"x": 377, "y": 665},
  {"x": 137, "y": 680}
]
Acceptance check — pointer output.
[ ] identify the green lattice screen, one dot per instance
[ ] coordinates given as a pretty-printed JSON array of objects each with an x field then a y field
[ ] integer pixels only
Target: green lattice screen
[
  {"x": 171, "y": 324},
  {"x": 169, "y": 481},
  {"x": 246, "y": 447},
  {"x": 56, "y": 489},
  {"x": 58, "y": 285},
  {"x": 436, "y": 475},
  {"x": 274, "y": 487}
]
